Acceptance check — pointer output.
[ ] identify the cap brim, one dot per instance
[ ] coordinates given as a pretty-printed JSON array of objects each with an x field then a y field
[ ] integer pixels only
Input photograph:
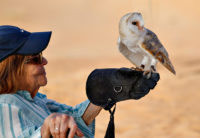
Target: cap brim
[{"x": 35, "y": 43}]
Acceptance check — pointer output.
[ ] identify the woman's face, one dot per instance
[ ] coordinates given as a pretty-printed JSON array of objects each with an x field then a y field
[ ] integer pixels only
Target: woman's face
[{"x": 34, "y": 77}]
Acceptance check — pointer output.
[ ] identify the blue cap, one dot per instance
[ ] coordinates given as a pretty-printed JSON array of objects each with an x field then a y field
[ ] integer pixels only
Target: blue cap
[{"x": 14, "y": 40}]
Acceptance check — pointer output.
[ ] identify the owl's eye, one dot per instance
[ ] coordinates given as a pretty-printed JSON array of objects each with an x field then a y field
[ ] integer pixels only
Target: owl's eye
[{"x": 134, "y": 23}]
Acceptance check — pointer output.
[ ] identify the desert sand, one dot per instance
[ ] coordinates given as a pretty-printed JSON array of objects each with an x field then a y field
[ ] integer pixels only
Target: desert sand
[{"x": 85, "y": 34}]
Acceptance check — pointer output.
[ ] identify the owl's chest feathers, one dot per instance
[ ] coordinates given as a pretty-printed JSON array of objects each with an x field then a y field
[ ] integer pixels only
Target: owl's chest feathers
[{"x": 133, "y": 43}]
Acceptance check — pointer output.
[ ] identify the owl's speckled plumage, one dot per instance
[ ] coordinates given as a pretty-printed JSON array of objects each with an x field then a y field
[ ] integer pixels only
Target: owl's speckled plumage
[{"x": 140, "y": 45}]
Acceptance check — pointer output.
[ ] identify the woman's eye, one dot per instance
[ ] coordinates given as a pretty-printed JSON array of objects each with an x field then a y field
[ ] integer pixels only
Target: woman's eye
[{"x": 134, "y": 23}]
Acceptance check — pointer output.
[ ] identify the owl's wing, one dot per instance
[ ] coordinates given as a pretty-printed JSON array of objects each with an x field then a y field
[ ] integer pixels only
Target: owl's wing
[{"x": 154, "y": 47}]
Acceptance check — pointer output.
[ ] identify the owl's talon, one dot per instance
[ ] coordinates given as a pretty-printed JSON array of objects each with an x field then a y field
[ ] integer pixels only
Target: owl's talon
[
  {"x": 142, "y": 66},
  {"x": 147, "y": 74},
  {"x": 153, "y": 69}
]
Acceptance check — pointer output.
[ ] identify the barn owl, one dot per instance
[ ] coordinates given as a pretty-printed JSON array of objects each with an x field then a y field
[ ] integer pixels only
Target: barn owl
[{"x": 140, "y": 45}]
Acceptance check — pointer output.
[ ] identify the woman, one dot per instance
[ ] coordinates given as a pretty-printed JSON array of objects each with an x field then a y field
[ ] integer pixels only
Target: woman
[{"x": 24, "y": 112}]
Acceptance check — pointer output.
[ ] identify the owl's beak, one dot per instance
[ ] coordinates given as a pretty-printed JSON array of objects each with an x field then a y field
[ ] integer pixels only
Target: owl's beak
[{"x": 141, "y": 28}]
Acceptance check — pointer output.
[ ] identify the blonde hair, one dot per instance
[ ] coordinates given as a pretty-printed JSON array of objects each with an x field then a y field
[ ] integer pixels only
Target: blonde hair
[{"x": 11, "y": 69}]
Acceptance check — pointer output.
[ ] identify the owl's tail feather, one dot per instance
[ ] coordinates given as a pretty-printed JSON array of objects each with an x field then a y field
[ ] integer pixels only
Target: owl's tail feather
[
  {"x": 170, "y": 67},
  {"x": 167, "y": 63}
]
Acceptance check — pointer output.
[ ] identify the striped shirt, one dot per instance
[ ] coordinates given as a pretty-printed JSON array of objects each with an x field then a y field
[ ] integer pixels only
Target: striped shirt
[{"x": 22, "y": 116}]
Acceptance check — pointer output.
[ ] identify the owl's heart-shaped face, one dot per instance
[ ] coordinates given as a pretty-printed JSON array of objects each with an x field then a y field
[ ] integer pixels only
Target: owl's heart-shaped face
[{"x": 135, "y": 23}]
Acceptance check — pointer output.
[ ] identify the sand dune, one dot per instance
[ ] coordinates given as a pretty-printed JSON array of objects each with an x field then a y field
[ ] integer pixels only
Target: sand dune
[{"x": 84, "y": 38}]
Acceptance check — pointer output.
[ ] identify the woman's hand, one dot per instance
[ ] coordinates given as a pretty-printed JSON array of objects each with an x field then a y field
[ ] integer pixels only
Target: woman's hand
[{"x": 58, "y": 124}]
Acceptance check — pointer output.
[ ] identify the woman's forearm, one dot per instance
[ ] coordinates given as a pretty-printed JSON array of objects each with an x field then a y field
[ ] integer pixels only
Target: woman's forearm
[{"x": 90, "y": 113}]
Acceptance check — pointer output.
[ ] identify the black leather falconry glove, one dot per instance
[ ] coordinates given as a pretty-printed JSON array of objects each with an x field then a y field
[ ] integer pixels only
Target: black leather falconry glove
[{"x": 105, "y": 87}]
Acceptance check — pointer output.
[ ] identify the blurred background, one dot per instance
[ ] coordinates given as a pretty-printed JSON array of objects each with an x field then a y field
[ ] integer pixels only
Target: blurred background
[{"x": 85, "y": 34}]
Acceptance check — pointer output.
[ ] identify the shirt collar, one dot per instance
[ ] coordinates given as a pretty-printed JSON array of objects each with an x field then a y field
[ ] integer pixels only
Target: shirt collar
[{"x": 25, "y": 94}]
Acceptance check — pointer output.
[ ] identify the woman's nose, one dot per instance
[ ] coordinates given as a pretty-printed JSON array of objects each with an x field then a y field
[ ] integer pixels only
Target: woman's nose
[{"x": 44, "y": 61}]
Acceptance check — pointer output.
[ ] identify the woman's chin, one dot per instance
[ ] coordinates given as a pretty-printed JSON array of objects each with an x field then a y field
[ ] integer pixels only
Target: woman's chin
[{"x": 43, "y": 81}]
